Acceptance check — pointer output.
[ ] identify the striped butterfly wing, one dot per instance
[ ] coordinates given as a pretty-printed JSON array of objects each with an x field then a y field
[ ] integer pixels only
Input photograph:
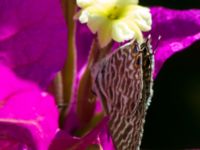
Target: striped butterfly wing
[{"x": 118, "y": 80}]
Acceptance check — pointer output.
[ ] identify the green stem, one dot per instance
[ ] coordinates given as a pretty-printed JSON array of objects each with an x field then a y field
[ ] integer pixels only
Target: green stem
[
  {"x": 58, "y": 92},
  {"x": 69, "y": 70},
  {"x": 86, "y": 98}
]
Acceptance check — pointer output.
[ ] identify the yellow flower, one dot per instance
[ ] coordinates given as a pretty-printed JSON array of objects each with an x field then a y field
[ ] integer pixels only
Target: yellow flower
[{"x": 119, "y": 20}]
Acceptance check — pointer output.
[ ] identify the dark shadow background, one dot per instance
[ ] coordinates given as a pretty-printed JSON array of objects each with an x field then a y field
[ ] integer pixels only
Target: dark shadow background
[
  {"x": 174, "y": 4},
  {"x": 173, "y": 118}
]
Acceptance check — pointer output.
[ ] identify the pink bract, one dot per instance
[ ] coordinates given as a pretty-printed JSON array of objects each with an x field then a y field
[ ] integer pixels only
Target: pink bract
[{"x": 28, "y": 116}]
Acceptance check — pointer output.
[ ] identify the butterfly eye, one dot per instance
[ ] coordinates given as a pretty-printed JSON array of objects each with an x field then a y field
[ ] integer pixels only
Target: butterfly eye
[
  {"x": 138, "y": 61},
  {"x": 136, "y": 49}
]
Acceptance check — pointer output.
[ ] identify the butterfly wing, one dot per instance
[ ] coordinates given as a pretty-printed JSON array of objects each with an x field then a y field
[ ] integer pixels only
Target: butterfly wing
[{"x": 119, "y": 83}]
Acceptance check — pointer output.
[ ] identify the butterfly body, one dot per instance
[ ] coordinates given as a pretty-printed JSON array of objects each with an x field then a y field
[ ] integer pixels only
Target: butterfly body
[{"x": 123, "y": 80}]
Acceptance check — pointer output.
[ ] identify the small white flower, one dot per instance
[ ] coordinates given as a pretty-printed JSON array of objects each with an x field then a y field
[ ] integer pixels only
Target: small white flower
[{"x": 119, "y": 20}]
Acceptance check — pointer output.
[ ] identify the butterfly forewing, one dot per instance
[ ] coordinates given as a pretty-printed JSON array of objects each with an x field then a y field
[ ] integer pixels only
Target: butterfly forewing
[{"x": 118, "y": 80}]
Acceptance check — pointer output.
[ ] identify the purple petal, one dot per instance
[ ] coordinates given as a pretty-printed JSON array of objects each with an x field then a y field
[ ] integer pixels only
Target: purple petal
[
  {"x": 10, "y": 139},
  {"x": 63, "y": 140},
  {"x": 106, "y": 141},
  {"x": 26, "y": 109},
  {"x": 105, "y": 138},
  {"x": 32, "y": 38},
  {"x": 178, "y": 29}
]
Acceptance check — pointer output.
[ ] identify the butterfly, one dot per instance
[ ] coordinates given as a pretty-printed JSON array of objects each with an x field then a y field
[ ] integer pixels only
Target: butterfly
[{"x": 123, "y": 80}]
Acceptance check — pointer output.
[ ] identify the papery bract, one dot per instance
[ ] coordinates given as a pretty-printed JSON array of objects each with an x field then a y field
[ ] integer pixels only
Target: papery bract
[
  {"x": 63, "y": 140},
  {"x": 33, "y": 38},
  {"x": 28, "y": 116},
  {"x": 178, "y": 29}
]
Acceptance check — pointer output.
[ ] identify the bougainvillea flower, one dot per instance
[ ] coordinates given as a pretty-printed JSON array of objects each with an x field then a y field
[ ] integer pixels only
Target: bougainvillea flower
[
  {"x": 33, "y": 38},
  {"x": 119, "y": 20},
  {"x": 25, "y": 121}
]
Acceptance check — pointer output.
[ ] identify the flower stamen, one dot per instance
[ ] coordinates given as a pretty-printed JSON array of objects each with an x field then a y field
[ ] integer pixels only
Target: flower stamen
[{"x": 114, "y": 14}]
